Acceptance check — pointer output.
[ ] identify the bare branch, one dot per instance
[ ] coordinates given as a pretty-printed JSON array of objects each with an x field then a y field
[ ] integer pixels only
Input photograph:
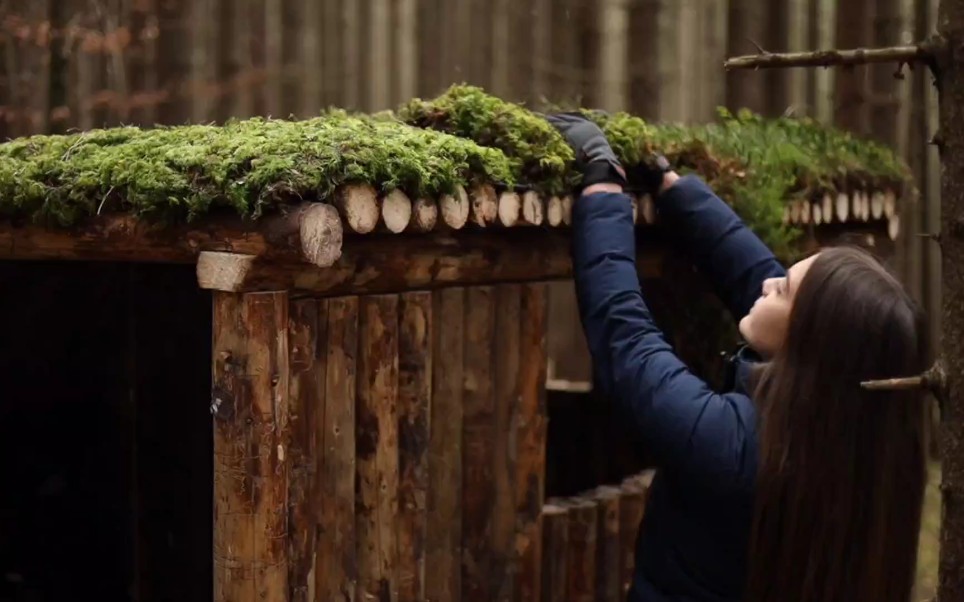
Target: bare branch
[
  {"x": 830, "y": 58},
  {"x": 932, "y": 380}
]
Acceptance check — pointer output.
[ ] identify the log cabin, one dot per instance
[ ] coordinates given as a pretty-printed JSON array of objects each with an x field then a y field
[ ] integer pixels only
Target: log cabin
[{"x": 368, "y": 390}]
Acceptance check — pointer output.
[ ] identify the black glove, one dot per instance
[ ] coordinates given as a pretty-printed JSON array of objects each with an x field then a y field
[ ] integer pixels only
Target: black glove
[
  {"x": 595, "y": 159},
  {"x": 648, "y": 175}
]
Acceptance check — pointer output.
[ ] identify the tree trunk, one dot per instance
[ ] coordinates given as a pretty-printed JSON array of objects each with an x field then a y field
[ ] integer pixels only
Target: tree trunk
[
  {"x": 744, "y": 89},
  {"x": 853, "y": 31},
  {"x": 951, "y": 27}
]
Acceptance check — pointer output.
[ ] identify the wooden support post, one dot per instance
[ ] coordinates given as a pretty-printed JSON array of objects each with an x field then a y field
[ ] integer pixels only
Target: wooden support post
[
  {"x": 249, "y": 402},
  {"x": 414, "y": 396},
  {"x": 443, "y": 534},
  {"x": 376, "y": 444},
  {"x": 336, "y": 566},
  {"x": 531, "y": 432},
  {"x": 631, "y": 506},
  {"x": 581, "y": 563},
  {"x": 478, "y": 445},
  {"x": 608, "y": 577},
  {"x": 506, "y": 356},
  {"x": 555, "y": 559},
  {"x": 307, "y": 326}
]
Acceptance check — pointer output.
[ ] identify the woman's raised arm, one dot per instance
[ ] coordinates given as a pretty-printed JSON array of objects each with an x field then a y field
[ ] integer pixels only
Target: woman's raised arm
[{"x": 707, "y": 230}]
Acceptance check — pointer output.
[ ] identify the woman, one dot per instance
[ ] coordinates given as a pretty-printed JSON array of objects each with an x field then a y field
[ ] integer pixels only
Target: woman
[{"x": 797, "y": 485}]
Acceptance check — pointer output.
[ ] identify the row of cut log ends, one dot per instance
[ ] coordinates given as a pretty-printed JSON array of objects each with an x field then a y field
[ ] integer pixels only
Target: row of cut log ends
[
  {"x": 320, "y": 227},
  {"x": 843, "y": 207},
  {"x": 589, "y": 541}
]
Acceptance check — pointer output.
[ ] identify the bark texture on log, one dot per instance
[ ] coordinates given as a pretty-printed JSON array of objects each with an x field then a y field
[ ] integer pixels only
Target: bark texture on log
[
  {"x": 336, "y": 566},
  {"x": 555, "y": 558},
  {"x": 250, "y": 404},
  {"x": 951, "y": 79},
  {"x": 307, "y": 336},
  {"x": 376, "y": 444},
  {"x": 414, "y": 396},
  {"x": 376, "y": 265},
  {"x": 631, "y": 506},
  {"x": 583, "y": 539},
  {"x": 506, "y": 352},
  {"x": 478, "y": 445},
  {"x": 531, "y": 431},
  {"x": 443, "y": 536},
  {"x": 608, "y": 586}
]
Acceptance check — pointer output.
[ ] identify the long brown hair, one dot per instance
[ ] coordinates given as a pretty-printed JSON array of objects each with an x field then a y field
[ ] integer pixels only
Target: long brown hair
[{"x": 842, "y": 470}]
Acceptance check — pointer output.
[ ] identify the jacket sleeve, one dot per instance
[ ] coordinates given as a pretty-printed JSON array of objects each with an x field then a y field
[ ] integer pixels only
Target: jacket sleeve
[
  {"x": 689, "y": 428},
  {"x": 733, "y": 258}
]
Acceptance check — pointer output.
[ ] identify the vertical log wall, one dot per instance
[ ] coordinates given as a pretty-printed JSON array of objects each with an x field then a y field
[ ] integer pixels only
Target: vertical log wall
[{"x": 386, "y": 447}]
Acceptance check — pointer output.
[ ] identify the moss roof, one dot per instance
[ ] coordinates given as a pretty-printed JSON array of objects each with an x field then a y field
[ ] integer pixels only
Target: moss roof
[{"x": 426, "y": 147}]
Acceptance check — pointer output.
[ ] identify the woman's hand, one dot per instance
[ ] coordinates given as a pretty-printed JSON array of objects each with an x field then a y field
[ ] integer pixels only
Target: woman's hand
[{"x": 595, "y": 158}]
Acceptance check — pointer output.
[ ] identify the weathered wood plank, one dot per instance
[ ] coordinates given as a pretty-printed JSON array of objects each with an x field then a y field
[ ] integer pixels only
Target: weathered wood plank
[
  {"x": 443, "y": 536},
  {"x": 249, "y": 396},
  {"x": 555, "y": 560},
  {"x": 531, "y": 430},
  {"x": 478, "y": 445},
  {"x": 336, "y": 567},
  {"x": 583, "y": 537},
  {"x": 376, "y": 504},
  {"x": 414, "y": 398},
  {"x": 307, "y": 355},
  {"x": 608, "y": 574},
  {"x": 506, "y": 351},
  {"x": 631, "y": 506}
]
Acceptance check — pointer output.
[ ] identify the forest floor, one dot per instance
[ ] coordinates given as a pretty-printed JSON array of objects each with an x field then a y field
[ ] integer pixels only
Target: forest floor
[{"x": 928, "y": 551}]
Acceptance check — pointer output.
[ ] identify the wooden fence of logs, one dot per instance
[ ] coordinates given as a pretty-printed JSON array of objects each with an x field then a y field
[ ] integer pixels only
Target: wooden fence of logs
[{"x": 588, "y": 542}]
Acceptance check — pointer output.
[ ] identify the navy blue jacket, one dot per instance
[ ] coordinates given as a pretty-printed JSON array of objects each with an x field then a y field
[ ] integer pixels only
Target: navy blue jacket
[{"x": 692, "y": 543}]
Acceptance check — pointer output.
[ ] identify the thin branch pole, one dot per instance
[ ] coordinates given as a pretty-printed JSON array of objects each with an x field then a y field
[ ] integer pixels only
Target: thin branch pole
[
  {"x": 920, "y": 53},
  {"x": 933, "y": 380}
]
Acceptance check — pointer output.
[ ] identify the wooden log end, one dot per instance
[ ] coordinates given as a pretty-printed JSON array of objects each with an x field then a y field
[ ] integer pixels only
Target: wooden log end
[
  {"x": 567, "y": 210},
  {"x": 890, "y": 203},
  {"x": 827, "y": 207},
  {"x": 805, "y": 211},
  {"x": 893, "y": 227},
  {"x": 485, "y": 205},
  {"x": 843, "y": 207},
  {"x": 817, "y": 217},
  {"x": 221, "y": 271},
  {"x": 358, "y": 204},
  {"x": 877, "y": 204},
  {"x": 510, "y": 208},
  {"x": 533, "y": 208},
  {"x": 396, "y": 211},
  {"x": 320, "y": 229},
  {"x": 455, "y": 208},
  {"x": 424, "y": 215},
  {"x": 554, "y": 211}
]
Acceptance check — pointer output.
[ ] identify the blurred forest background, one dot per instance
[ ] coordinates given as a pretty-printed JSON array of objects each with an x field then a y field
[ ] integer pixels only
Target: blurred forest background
[{"x": 81, "y": 64}]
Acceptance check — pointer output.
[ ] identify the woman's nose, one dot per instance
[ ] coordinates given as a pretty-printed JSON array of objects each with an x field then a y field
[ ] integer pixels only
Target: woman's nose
[{"x": 768, "y": 286}]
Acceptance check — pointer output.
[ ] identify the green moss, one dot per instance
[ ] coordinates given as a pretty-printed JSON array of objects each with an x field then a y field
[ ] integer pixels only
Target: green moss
[
  {"x": 247, "y": 166},
  {"x": 428, "y": 146},
  {"x": 538, "y": 153}
]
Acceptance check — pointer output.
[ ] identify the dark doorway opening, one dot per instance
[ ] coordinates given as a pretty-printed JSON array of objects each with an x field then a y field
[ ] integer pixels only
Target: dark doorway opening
[{"x": 105, "y": 436}]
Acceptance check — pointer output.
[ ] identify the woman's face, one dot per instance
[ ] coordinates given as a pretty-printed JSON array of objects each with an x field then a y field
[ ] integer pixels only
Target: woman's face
[{"x": 765, "y": 327}]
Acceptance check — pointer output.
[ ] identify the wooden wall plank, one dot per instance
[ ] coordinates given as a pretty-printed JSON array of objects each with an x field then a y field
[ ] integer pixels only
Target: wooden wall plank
[
  {"x": 608, "y": 577},
  {"x": 612, "y": 56},
  {"x": 443, "y": 537},
  {"x": 583, "y": 538},
  {"x": 507, "y": 352},
  {"x": 555, "y": 561},
  {"x": 414, "y": 397},
  {"x": 379, "y": 68},
  {"x": 273, "y": 42},
  {"x": 531, "y": 431},
  {"x": 478, "y": 444},
  {"x": 296, "y": 28},
  {"x": 311, "y": 61},
  {"x": 407, "y": 42},
  {"x": 250, "y": 390},
  {"x": 376, "y": 444},
  {"x": 307, "y": 355},
  {"x": 631, "y": 506},
  {"x": 333, "y": 69},
  {"x": 351, "y": 41},
  {"x": 336, "y": 567}
]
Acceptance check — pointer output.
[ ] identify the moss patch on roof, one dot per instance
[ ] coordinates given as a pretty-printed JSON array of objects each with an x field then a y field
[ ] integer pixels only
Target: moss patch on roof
[
  {"x": 425, "y": 148},
  {"x": 247, "y": 166}
]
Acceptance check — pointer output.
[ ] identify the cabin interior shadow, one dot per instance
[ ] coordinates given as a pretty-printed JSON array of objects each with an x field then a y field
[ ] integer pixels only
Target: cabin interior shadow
[{"x": 105, "y": 433}]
